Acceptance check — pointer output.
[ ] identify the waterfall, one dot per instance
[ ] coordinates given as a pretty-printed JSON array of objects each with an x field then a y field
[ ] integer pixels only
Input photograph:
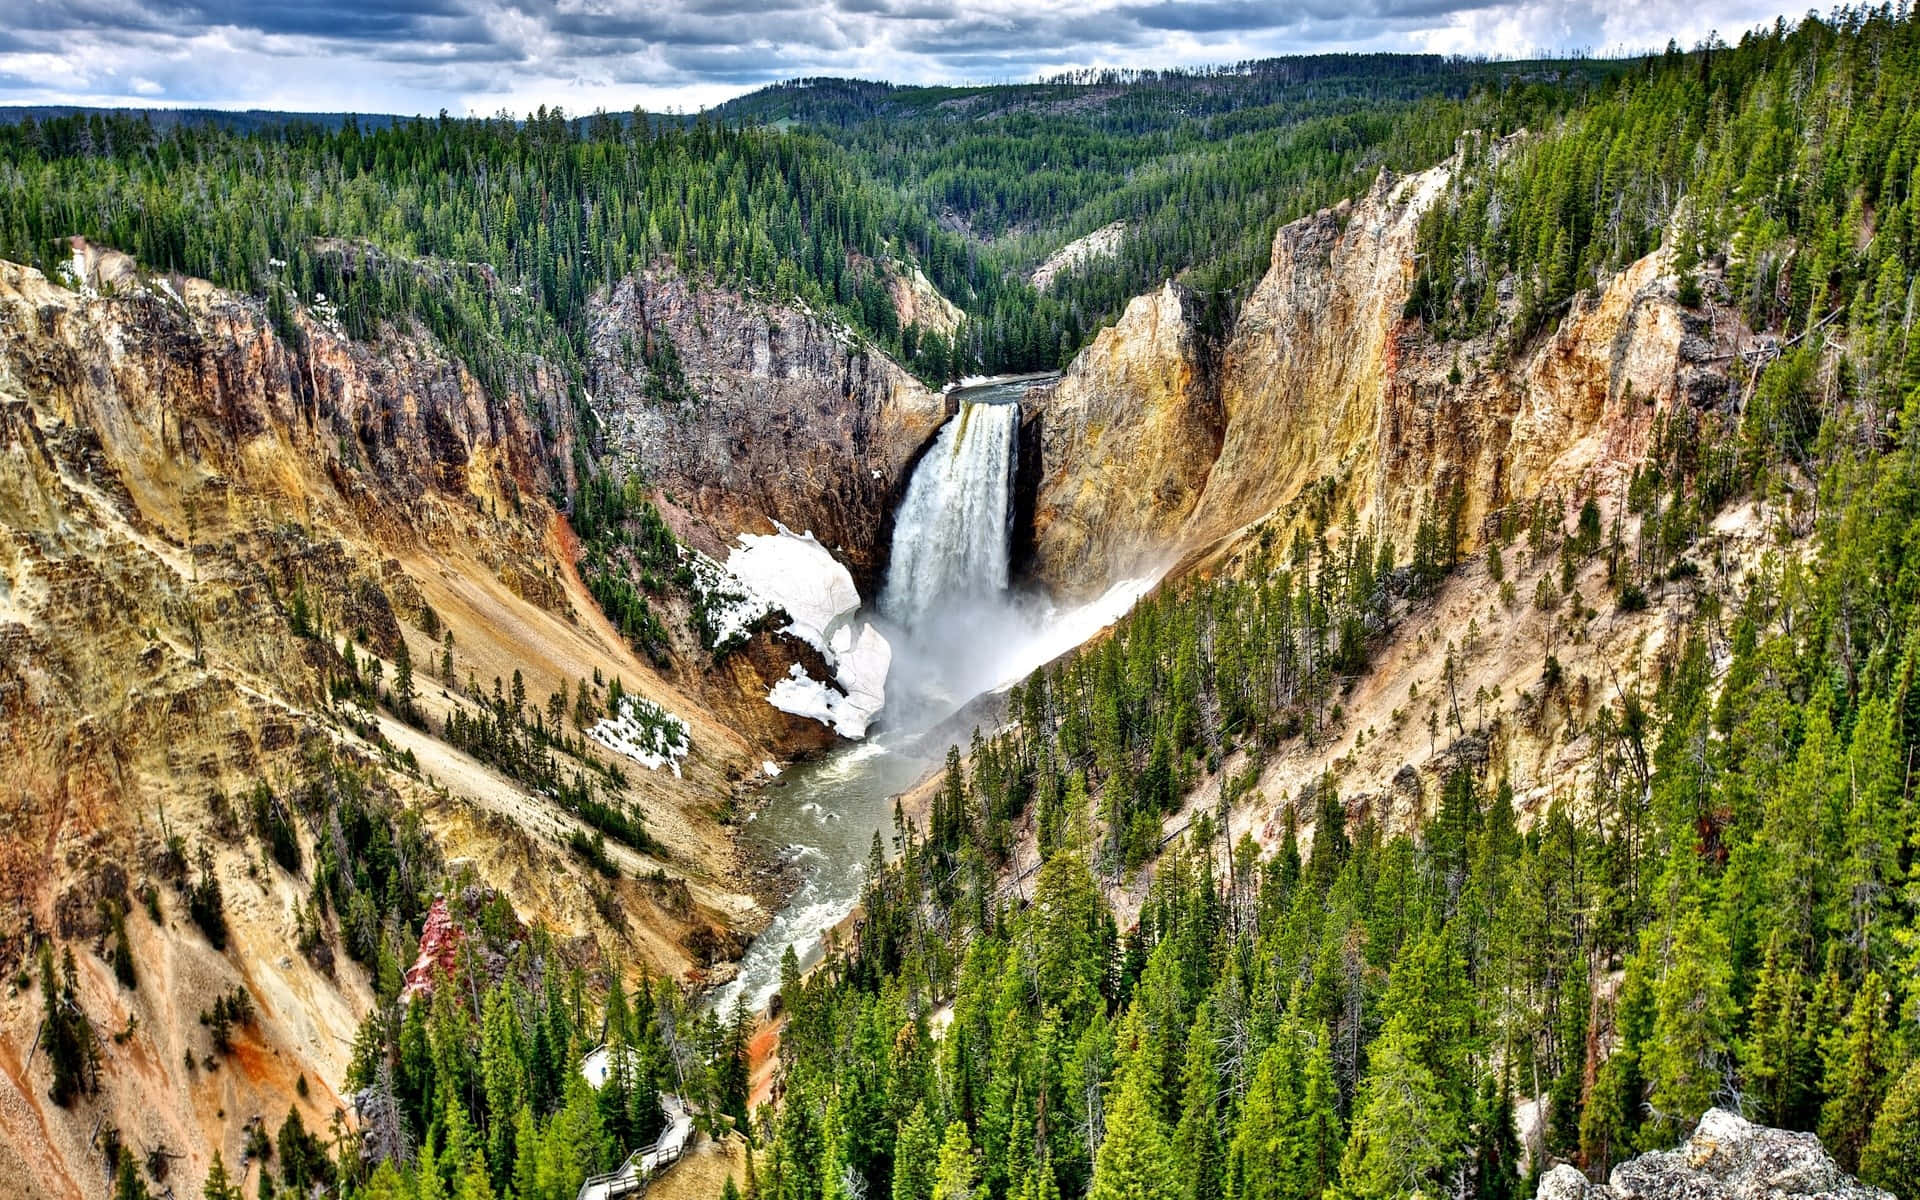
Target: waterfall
[{"x": 953, "y": 534}]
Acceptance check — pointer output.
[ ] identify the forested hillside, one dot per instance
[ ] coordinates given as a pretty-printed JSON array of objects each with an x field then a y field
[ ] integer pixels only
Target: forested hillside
[
  {"x": 497, "y": 232},
  {"x": 1198, "y": 166}
]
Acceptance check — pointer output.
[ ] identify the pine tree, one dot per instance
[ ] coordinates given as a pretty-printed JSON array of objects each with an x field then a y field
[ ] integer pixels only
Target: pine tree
[
  {"x": 1135, "y": 1161},
  {"x": 1857, "y": 1076},
  {"x": 1776, "y": 1075},
  {"x": 1495, "y": 1171},
  {"x": 218, "y": 1185},
  {"x": 1693, "y": 1017},
  {"x": 122, "y": 953},
  {"x": 1198, "y": 1155},
  {"x": 1319, "y": 1135},
  {"x": 1406, "y": 1135},
  {"x": 956, "y": 1173},
  {"x": 503, "y": 1074},
  {"x": 1891, "y": 1157},
  {"x": 403, "y": 691},
  {"x": 916, "y": 1151},
  {"x": 127, "y": 1184},
  {"x": 1260, "y": 1161},
  {"x": 67, "y": 1033}
]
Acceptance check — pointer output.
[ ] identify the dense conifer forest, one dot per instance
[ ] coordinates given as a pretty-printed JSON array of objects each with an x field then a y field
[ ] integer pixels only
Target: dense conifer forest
[
  {"x": 495, "y": 233},
  {"x": 1727, "y": 917}
]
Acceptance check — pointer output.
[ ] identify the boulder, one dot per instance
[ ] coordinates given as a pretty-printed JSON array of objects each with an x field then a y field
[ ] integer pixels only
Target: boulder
[{"x": 1727, "y": 1158}]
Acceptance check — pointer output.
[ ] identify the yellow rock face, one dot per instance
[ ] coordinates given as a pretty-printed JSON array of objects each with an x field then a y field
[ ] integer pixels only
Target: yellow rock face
[
  {"x": 1324, "y": 388},
  {"x": 1126, "y": 440},
  {"x": 172, "y": 475}
]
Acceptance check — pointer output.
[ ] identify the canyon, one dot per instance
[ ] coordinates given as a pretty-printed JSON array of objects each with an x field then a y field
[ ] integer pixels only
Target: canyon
[{"x": 181, "y": 475}]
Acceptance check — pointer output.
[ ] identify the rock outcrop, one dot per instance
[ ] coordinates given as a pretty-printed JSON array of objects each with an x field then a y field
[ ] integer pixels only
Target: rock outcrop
[
  {"x": 917, "y": 302},
  {"x": 1101, "y": 243},
  {"x": 1727, "y": 1158},
  {"x": 748, "y": 413},
  {"x": 1326, "y": 391}
]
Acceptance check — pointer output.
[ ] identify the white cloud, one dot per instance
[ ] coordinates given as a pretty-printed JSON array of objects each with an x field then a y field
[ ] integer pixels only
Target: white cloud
[{"x": 483, "y": 55}]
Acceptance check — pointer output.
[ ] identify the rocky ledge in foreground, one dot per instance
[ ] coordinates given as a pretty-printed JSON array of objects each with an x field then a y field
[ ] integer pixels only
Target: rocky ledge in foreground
[{"x": 1727, "y": 1158}]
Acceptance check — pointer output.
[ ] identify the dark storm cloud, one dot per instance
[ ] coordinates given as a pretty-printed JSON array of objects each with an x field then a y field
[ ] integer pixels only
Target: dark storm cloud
[
  {"x": 364, "y": 20},
  {"x": 418, "y": 55}
]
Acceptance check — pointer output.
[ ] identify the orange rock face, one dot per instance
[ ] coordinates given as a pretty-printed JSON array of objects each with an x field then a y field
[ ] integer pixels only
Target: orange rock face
[{"x": 440, "y": 942}]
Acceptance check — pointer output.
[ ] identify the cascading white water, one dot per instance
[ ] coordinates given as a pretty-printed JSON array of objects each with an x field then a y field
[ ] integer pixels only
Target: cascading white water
[{"x": 953, "y": 534}]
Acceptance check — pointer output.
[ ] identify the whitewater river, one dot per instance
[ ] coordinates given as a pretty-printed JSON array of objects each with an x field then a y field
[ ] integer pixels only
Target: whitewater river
[{"x": 822, "y": 815}]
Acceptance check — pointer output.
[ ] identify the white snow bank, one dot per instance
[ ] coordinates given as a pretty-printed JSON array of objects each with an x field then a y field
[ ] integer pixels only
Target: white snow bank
[
  {"x": 860, "y": 667},
  {"x": 804, "y": 696},
  {"x": 645, "y": 733},
  {"x": 797, "y": 573}
]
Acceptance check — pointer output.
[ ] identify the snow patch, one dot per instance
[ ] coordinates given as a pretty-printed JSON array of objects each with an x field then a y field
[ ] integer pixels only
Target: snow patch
[
  {"x": 645, "y": 733},
  {"x": 73, "y": 273},
  {"x": 860, "y": 667},
  {"x": 732, "y": 608},
  {"x": 797, "y": 573}
]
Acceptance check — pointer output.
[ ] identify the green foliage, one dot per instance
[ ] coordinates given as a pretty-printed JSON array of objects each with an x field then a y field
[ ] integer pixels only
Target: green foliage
[
  {"x": 230, "y": 1009},
  {"x": 120, "y": 951},
  {"x": 1135, "y": 1161},
  {"x": 127, "y": 1184},
  {"x": 205, "y": 904},
  {"x": 65, "y": 1030},
  {"x": 219, "y": 1185},
  {"x": 1784, "y": 164},
  {"x": 1406, "y": 1135},
  {"x": 273, "y": 825},
  {"x": 1891, "y": 1158}
]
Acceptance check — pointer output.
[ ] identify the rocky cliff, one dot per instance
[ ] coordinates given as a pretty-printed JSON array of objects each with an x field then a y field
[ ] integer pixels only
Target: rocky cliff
[
  {"x": 1127, "y": 439},
  {"x": 1324, "y": 389},
  {"x": 1325, "y": 410},
  {"x": 199, "y": 517},
  {"x": 1727, "y": 1158},
  {"x": 747, "y": 412}
]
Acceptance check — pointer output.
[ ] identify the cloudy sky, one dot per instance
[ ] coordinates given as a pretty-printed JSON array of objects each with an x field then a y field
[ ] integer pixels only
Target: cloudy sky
[{"x": 479, "y": 56}]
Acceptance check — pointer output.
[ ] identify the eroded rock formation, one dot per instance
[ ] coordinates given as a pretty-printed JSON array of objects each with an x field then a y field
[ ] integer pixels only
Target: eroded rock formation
[
  {"x": 1727, "y": 1158},
  {"x": 197, "y": 515},
  {"x": 747, "y": 413},
  {"x": 1127, "y": 438},
  {"x": 1326, "y": 392}
]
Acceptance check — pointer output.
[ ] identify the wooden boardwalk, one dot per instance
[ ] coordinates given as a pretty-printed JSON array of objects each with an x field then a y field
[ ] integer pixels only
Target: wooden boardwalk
[{"x": 643, "y": 1164}]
